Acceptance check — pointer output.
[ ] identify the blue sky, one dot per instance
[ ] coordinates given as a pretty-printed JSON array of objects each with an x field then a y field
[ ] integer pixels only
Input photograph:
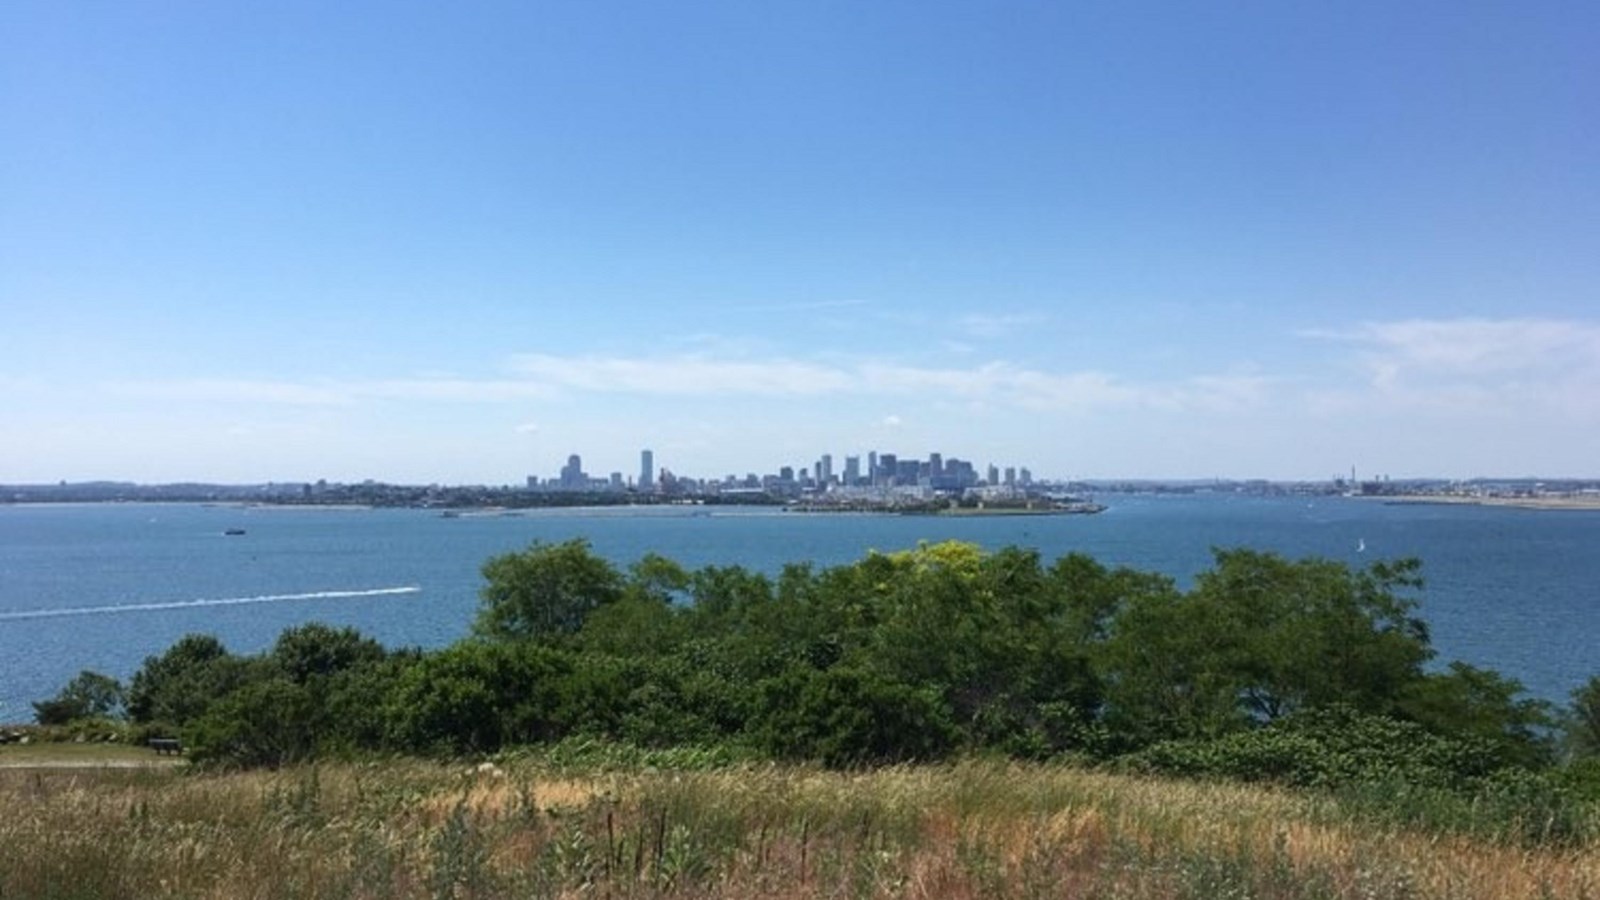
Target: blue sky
[{"x": 427, "y": 242}]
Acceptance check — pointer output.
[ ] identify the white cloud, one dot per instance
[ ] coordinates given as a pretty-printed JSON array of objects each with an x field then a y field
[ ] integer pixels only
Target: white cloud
[
  {"x": 546, "y": 376},
  {"x": 995, "y": 382},
  {"x": 682, "y": 375},
  {"x": 997, "y": 325},
  {"x": 1494, "y": 367},
  {"x": 328, "y": 392},
  {"x": 221, "y": 390}
]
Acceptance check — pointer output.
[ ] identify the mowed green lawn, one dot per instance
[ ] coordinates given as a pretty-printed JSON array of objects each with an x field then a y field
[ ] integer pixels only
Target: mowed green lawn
[{"x": 86, "y": 754}]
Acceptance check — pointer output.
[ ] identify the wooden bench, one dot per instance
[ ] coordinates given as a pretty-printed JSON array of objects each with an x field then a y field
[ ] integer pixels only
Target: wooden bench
[{"x": 166, "y": 745}]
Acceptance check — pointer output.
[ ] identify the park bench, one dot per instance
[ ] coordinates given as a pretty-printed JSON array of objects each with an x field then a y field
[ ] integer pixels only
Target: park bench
[{"x": 166, "y": 745}]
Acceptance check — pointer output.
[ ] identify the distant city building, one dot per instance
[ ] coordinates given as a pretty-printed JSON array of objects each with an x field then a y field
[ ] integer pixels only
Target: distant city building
[
  {"x": 885, "y": 475},
  {"x": 886, "y": 470},
  {"x": 572, "y": 476}
]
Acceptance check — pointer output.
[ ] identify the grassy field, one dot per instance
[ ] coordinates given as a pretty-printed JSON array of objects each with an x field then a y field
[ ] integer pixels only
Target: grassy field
[
  {"x": 54, "y": 753},
  {"x": 413, "y": 829}
]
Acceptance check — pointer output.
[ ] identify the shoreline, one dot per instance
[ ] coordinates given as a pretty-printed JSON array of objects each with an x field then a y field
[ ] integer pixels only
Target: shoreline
[{"x": 1591, "y": 504}]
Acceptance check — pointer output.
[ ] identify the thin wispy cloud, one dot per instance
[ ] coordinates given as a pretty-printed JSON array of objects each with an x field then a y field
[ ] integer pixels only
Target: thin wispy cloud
[
  {"x": 995, "y": 382},
  {"x": 549, "y": 376},
  {"x": 998, "y": 325},
  {"x": 682, "y": 375},
  {"x": 1475, "y": 365},
  {"x": 329, "y": 392},
  {"x": 1477, "y": 346},
  {"x": 798, "y": 306}
]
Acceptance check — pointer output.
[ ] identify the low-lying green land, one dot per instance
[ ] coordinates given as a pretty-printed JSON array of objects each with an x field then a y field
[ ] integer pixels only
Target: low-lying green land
[{"x": 58, "y": 754}]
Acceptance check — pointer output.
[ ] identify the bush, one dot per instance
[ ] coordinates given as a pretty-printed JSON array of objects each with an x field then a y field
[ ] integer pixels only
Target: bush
[
  {"x": 846, "y": 717},
  {"x": 1328, "y": 748},
  {"x": 476, "y": 697}
]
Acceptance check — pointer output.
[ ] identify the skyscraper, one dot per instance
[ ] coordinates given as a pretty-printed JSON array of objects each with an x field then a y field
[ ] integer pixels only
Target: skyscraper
[
  {"x": 647, "y": 470},
  {"x": 572, "y": 473}
]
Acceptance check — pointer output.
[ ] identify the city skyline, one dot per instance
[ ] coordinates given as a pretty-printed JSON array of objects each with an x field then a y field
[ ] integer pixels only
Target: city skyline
[
  {"x": 425, "y": 244},
  {"x": 883, "y": 469}
]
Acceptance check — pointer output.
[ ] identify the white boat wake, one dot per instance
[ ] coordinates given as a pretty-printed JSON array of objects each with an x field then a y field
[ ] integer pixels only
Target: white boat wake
[{"x": 190, "y": 604}]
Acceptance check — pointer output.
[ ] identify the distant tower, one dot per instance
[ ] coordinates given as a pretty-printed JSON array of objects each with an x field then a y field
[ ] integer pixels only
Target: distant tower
[
  {"x": 647, "y": 470},
  {"x": 572, "y": 473},
  {"x": 825, "y": 469},
  {"x": 852, "y": 470}
]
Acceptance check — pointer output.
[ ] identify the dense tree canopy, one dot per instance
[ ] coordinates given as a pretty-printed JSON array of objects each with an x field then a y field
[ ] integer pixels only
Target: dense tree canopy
[{"x": 1308, "y": 671}]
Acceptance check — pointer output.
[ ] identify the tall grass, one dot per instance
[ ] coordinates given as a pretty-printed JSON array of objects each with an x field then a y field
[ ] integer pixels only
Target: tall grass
[{"x": 533, "y": 829}]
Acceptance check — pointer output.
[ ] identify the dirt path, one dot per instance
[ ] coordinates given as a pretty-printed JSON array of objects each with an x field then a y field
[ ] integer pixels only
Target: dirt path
[{"x": 22, "y": 765}]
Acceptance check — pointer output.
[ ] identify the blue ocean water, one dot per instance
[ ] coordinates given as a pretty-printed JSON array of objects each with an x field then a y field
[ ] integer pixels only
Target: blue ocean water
[{"x": 102, "y": 586}]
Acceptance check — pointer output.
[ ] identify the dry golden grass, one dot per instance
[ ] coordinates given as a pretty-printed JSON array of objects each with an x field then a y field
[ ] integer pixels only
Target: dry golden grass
[{"x": 414, "y": 829}]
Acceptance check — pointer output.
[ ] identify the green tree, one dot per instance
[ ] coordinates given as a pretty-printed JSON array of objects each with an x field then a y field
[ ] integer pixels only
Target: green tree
[
  {"x": 1259, "y": 637},
  {"x": 316, "y": 650},
  {"x": 1582, "y": 721},
  {"x": 89, "y": 695},
  {"x": 477, "y": 696},
  {"x": 178, "y": 686},
  {"x": 847, "y": 717},
  {"x": 545, "y": 591},
  {"x": 1469, "y": 702},
  {"x": 270, "y": 722}
]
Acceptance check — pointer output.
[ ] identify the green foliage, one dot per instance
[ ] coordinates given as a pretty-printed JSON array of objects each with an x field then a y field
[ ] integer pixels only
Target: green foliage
[
  {"x": 177, "y": 687},
  {"x": 89, "y": 695},
  {"x": 477, "y": 696},
  {"x": 1260, "y": 637},
  {"x": 1472, "y": 702},
  {"x": 1328, "y": 748},
  {"x": 318, "y": 691},
  {"x": 545, "y": 591},
  {"x": 1301, "y": 672},
  {"x": 1582, "y": 720},
  {"x": 315, "y": 650},
  {"x": 271, "y": 722},
  {"x": 846, "y": 717}
]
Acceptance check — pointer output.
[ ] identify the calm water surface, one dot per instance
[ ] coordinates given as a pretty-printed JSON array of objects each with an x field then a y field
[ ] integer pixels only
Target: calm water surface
[{"x": 103, "y": 586}]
